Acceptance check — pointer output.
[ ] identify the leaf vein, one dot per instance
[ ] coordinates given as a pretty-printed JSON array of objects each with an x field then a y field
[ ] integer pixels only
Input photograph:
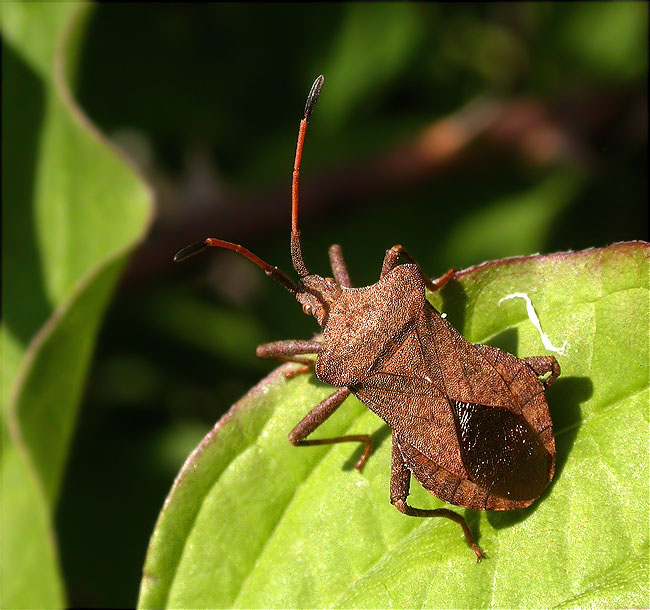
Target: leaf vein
[{"x": 285, "y": 509}]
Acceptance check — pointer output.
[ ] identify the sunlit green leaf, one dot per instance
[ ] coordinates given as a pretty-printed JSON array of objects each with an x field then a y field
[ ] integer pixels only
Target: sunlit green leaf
[
  {"x": 254, "y": 522},
  {"x": 30, "y": 572}
]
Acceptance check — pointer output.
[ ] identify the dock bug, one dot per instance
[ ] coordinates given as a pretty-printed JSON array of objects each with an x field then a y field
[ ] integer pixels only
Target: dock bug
[{"x": 469, "y": 422}]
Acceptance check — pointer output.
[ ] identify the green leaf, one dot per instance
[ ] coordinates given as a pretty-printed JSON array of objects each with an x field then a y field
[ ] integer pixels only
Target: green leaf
[
  {"x": 72, "y": 211},
  {"x": 607, "y": 39},
  {"x": 30, "y": 572},
  {"x": 253, "y": 522},
  {"x": 375, "y": 43}
]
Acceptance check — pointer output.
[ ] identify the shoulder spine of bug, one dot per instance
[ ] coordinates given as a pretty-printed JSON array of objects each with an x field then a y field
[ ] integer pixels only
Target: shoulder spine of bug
[{"x": 470, "y": 422}]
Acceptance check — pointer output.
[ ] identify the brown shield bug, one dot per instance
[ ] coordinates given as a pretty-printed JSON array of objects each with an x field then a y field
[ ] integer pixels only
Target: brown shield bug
[{"x": 470, "y": 422}]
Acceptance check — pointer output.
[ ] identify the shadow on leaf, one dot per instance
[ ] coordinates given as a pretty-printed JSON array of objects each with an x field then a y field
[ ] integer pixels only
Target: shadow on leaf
[
  {"x": 507, "y": 340},
  {"x": 378, "y": 437},
  {"x": 454, "y": 303}
]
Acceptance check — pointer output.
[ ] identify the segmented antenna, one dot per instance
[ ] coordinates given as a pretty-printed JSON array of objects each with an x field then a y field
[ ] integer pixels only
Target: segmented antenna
[
  {"x": 312, "y": 98},
  {"x": 273, "y": 272},
  {"x": 190, "y": 250},
  {"x": 296, "y": 246}
]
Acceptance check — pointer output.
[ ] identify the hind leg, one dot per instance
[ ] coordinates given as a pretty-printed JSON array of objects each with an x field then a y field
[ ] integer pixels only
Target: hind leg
[
  {"x": 543, "y": 365},
  {"x": 400, "y": 483}
]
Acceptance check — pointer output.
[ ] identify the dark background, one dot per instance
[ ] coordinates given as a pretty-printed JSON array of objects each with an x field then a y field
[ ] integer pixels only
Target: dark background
[{"x": 466, "y": 132}]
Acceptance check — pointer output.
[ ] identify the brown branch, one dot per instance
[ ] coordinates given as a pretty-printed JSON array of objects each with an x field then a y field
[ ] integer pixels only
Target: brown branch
[{"x": 523, "y": 126}]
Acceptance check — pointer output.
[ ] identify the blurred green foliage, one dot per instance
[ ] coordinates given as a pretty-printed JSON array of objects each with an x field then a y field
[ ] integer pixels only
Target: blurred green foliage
[
  {"x": 72, "y": 212},
  {"x": 207, "y": 99}
]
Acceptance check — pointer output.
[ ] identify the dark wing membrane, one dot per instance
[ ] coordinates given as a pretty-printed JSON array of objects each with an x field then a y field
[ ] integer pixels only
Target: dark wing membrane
[{"x": 501, "y": 452}]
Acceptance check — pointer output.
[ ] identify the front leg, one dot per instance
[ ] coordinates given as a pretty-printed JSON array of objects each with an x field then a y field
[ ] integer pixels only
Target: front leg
[
  {"x": 290, "y": 351},
  {"x": 391, "y": 260},
  {"x": 400, "y": 483},
  {"x": 339, "y": 268}
]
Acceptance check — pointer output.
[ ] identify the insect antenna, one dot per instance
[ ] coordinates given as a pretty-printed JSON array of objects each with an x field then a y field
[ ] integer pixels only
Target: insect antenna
[
  {"x": 273, "y": 272},
  {"x": 296, "y": 247}
]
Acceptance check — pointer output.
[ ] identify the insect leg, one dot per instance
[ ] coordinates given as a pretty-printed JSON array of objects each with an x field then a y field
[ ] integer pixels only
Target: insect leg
[
  {"x": 317, "y": 416},
  {"x": 400, "y": 482},
  {"x": 290, "y": 351},
  {"x": 339, "y": 268},
  {"x": 391, "y": 260},
  {"x": 543, "y": 365}
]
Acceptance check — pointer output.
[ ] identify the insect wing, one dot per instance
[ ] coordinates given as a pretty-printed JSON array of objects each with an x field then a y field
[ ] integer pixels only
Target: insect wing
[{"x": 478, "y": 413}]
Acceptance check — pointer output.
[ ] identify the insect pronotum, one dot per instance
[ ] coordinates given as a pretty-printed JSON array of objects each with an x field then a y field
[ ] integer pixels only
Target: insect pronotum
[{"x": 469, "y": 422}]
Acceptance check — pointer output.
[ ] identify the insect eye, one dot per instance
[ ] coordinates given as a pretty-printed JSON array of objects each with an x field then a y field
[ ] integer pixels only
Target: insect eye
[{"x": 307, "y": 309}]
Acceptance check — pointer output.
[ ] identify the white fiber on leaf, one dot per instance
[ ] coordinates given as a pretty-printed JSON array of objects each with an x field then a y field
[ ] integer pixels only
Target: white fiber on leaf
[{"x": 532, "y": 316}]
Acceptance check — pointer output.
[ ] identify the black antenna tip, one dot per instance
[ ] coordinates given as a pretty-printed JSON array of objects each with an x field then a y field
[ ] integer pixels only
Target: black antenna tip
[
  {"x": 188, "y": 251},
  {"x": 312, "y": 98}
]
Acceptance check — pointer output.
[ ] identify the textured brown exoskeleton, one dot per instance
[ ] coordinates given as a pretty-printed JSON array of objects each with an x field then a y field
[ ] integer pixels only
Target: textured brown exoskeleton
[{"x": 470, "y": 422}]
